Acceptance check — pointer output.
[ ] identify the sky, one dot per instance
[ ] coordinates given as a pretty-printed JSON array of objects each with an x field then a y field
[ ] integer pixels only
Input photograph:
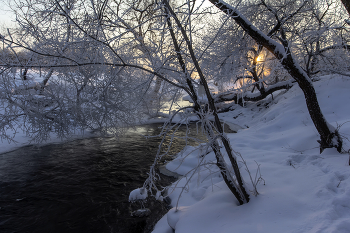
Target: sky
[{"x": 6, "y": 17}]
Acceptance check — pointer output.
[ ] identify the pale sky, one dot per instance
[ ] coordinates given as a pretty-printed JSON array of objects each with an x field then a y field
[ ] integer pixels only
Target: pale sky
[{"x": 5, "y": 16}]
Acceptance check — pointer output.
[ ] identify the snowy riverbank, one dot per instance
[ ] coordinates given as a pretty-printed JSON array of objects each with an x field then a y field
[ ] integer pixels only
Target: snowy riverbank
[{"x": 301, "y": 191}]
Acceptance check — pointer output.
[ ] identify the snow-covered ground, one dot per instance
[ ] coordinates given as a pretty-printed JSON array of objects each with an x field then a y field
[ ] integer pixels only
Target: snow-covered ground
[{"x": 301, "y": 191}]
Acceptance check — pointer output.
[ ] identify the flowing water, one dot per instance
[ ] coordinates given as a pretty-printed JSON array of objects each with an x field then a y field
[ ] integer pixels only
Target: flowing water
[{"x": 77, "y": 186}]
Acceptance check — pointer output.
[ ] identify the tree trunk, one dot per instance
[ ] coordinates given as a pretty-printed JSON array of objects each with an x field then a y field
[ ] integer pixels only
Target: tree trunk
[
  {"x": 326, "y": 131},
  {"x": 24, "y": 74},
  {"x": 238, "y": 190}
]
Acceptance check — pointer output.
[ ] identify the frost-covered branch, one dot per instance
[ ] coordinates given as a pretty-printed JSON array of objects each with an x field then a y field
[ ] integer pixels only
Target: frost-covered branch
[{"x": 239, "y": 97}]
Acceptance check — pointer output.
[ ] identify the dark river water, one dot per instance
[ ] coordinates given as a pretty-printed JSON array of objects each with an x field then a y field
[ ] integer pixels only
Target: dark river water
[{"x": 78, "y": 186}]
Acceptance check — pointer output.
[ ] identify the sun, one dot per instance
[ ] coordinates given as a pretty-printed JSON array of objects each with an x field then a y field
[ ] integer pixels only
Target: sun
[{"x": 260, "y": 58}]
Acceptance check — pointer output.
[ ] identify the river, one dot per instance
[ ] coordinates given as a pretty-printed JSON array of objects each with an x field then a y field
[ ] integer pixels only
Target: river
[{"x": 79, "y": 186}]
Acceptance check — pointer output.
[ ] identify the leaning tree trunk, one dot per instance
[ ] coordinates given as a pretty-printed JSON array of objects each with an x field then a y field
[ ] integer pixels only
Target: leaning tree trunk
[
  {"x": 326, "y": 131},
  {"x": 329, "y": 135}
]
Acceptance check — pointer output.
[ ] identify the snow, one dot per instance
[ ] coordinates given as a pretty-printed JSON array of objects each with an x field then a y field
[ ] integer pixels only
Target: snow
[
  {"x": 301, "y": 190},
  {"x": 138, "y": 194}
]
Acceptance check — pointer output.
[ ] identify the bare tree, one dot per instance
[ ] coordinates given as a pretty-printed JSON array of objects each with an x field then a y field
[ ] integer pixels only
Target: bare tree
[
  {"x": 236, "y": 187},
  {"x": 329, "y": 136},
  {"x": 316, "y": 35}
]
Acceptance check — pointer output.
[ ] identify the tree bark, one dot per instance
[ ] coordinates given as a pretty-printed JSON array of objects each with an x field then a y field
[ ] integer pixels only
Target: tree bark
[{"x": 24, "y": 74}]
